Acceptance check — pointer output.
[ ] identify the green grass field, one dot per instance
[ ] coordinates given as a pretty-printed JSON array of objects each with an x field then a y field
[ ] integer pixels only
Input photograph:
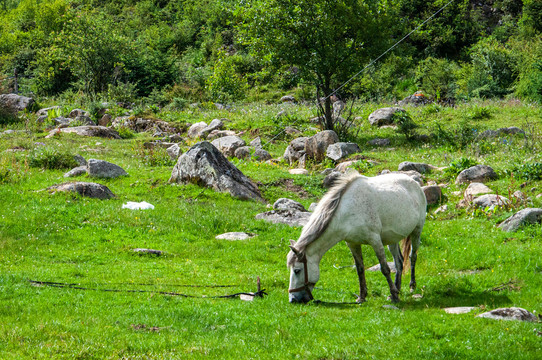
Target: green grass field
[{"x": 465, "y": 260}]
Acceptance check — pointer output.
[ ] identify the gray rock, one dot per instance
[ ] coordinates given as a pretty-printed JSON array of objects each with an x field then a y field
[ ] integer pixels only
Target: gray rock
[
  {"x": 513, "y": 130},
  {"x": 459, "y": 310},
  {"x": 78, "y": 112},
  {"x": 215, "y": 134},
  {"x": 288, "y": 204},
  {"x": 475, "y": 189},
  {"x": 234, "y": 236},
  {"x": 316, "y": 146},
  {"x": 419, "y": 167},
  {"x": 228, "y": 144},
  {"x": 288, "y": 217},
  {"x": 84, "y": 120},
  {"x": 62, "y": 120},
  {"x": 105, "y": 120},
  {"x": 298, "y": 172},
  {"x": 13, "y": 103},
  {"x": 338, "y": 107},
  {"x": 287, "y": 98},
  {"x": 96, "y": 131},
  {"x": 256, "y": 143},
  {"x": 104, "y": 169},
  {"x": 376, "y": 267},
  {"x": 331, "y": 178},
  {"x": 477, "y": 173},
  {"x": 341, "y": 150},
  {"x": 433, "y": 194},
  {"x": 80, "y": 160},
  {"x": 148, "y": 251},
  {"x": 528, "y": 216},
  {"x": 379, "y": 142},
  {"x": 313, "y": 206},
  {"x": 262, "y": 155},
  {"x": 295, "y": 150},
  {"x": 416, "y": 176},
  {"x": 417, "y": 99},
  {"x": 45, "y": 111},
  {"x": 513, "y": 313},
  {"x": 145, "y": 125},
  {"x": 174, "y": 151},
  {"x": 490, "y": 201},
  {"x": 292, "y": 131},
  {"x": 216, "y": 124},
  {"x": 384, "y": 116},
  {"x": 242, "y": 152},
  {"x": 92, "y": 190},
  {"x": 194, "y": 131},
  {"x": 78, "y": 171},
  {"x": 206, "y": 166}
]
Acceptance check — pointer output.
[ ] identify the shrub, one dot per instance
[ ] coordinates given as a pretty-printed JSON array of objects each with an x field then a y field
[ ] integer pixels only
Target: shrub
[
  {"x": 154, "y": 156},
  {"x": 459, "y": 165},
  {"x": 48, "y": 157},
  {"x": 405, "y": 124},
  {"x": 125, "y": 132},
  {"x": 225, "y": 84},
  {"x": 437, "y": 78},
  {"x": 527, "y": 171},
  {"x": 11, "y": 170}
]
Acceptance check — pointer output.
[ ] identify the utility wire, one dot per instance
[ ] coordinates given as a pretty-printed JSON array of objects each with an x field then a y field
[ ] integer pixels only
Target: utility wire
[{"x": 371, "y": 63}]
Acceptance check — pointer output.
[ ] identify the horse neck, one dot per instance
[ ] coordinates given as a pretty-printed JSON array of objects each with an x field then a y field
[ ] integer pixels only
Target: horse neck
[{"x": 321, "y": 245}]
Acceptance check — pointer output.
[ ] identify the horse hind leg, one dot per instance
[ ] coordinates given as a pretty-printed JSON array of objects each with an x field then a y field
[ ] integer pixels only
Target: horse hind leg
[
  {"x": 358, "y": 259},
  {"x": 399, "y": 261},
  {"x": 415, "y": 238},
  {"x": 381, "y": 255}
]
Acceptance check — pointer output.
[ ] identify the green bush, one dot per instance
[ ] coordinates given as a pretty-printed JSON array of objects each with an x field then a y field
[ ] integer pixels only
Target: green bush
[
  {"x": 437, "y": 78},
  {"x": 225, "y": 84},
  {"x": 405, "y": 124},
  {"x": 11, "y": 170},
  {"x": 125, "y": 132},
  {"x": 527, "y": 171},
  {"x": 456, "y": 166},
  {"x": 49, "y": 157}
]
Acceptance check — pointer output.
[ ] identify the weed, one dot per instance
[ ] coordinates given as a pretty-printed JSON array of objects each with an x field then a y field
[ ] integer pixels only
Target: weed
[
  {"x": 11, "y": 169},
  {"x": 49, "y": 157},
  {"x": 479, "y": 113},
  {"x": 456, "y": 166},
  {"x": 527, "y": 171},
  {"x": 125, "y": 132},
  {"x": 154, "y": 156}
]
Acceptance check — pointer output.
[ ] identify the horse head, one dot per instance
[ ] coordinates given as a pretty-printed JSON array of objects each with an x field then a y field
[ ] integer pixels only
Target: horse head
[{"x": 304, "y": 273}]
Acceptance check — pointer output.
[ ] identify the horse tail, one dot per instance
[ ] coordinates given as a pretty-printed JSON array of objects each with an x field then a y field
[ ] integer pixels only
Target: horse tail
[
  {"x": 323, "y": 214},
  {"x": 407, "y": 246}
]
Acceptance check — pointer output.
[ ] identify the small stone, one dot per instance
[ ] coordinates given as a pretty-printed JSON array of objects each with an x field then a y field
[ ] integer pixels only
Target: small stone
[
  {"x": 148, "y": 251},
  {"x": 78, "y": 171},
  {"x": 376, "y": 267},
  {"x": 513, "y": 313},
  {"x": 234, "y": 236},
  {"x": 298, "y": 172},
  {"x": 459, "y": 310}
]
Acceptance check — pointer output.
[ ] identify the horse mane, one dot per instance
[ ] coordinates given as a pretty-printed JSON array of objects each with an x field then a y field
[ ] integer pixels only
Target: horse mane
[{"x": 321, "y": 217}]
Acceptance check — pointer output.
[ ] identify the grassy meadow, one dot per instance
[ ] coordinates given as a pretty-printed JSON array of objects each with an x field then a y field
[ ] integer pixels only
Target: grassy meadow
[{"x": 465, "y": 260}]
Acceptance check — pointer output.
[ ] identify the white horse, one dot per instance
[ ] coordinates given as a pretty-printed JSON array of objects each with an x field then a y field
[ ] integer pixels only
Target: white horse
[{"x": 376, "y": 211}]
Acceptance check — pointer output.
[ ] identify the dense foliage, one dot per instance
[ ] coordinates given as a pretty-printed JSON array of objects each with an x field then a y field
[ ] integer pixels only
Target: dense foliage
[{"x": 175, "y": 52}]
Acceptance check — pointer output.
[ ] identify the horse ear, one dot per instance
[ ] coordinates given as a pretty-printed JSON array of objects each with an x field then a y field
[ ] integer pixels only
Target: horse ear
[{"x": 295, "y": 251}]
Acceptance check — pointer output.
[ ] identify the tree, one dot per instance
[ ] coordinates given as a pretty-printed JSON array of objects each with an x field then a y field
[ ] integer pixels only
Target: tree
[{"x": 328, "y": 41}]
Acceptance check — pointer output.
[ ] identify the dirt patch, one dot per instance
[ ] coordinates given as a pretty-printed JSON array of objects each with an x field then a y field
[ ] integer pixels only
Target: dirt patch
[{"x": 288, "y": 185}]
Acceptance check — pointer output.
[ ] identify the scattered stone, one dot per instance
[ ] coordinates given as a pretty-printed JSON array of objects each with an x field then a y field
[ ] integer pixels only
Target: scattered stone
[
  {"x": 419, "y": 167},
  {"x": 92, "y": 190},
  {"x": 13, "y": 103},
  {"x": 433, "y": 194},
  {"x": 513, "y": 313},
  {"x": 384, "y": 116},
  {"x": 298, "y": 172},
  {"x": 313, "y": 206},
  {"x": 529, "y": 216},
  {"x": 292, "y": 131},
  {"x": 417, "y": 99},
  {"x": 417, "y": 296},
  {"x": 376, "y": 267},
  {"x": 194, "y": 130},
  {"x": 132, "y": 205},
  {"x": 80, "y": 160},
  {"x": 316, "y": 146},
  {"x": 206, "y": 166},
  {"x": 157, "y": 144},
  {"x": 441, "y": 209},
  {"x": 77, "y": 112},
  {"x": 148, "y": 251},
  {"x": 459, "y": 310},
  {"x": 104, "y": 169},
  {"x": 475, "y": 189},
  {"x": 295, "y": 150},
  {"x": 379, "y": 142},
  {"x": 95, "y": 131},
  {"x": 288, "y": 204},
  {"x": 139, "y": 125},
  {"x": 287, "y": 98},
  {"x": 341, "y": 150},
  {"x": 262, "y": 155},
  {"x": 234, "y": 236},
  {"x": 416, "y": 176},
  {"x": 228, "y": 144},
  {"x": 490, "y": 201},
  {"x": 45, "y": 111},
  {"x": 242, "y": 152},
  {"x": 78, "y": 171},
  {"x": 59, "y": 121},
  {"x": 83, "y": 120},
  {"x": 174, "y": 151},
  {"x": 288, "y": 217},
  {"x": 256, "y": 143},
  {"x": 215, "y": 134},
  {"x": 247, "y": 297},
  {"x": 105, "y": 120},
  {"x": 477, "y": 173},
  {"x": 513, "y": 130},
  {"x": 216, "y": 124}
]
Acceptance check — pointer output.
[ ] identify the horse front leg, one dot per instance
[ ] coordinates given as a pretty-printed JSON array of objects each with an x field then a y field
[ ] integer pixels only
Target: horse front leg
[
  {"x": 355, "y": 249},
  {"x": 381, "y": 255}
]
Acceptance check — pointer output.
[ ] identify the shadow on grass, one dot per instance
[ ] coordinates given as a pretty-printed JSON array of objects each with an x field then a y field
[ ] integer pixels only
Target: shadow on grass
[{"x": 446, "y": 298}]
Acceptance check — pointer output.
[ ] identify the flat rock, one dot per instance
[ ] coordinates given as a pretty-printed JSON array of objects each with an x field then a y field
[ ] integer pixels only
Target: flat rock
[
  {"x": 78, "y": 171},
  {"x": 459, "y": 309},
  {"x": 298, "y": 172},
  {"x": 234, "y": 236},
  {"x": 528, "y": 216},
  {"x": 379, "y": 142},
  {"x": 490, "y": 201},
  {"x": 419, "y": 167},
  {"x": 205, "y": 165},
  {"x": 148, "y": 251},
  {"x": 288, "y": 217},
  {"x": 477, "y": 173},
  {"x": 104, "y": 169},
  {"x": 513, "y": 313},
  {"x": 92, "y": 190},
  {"x": 475, "y": 189},
  {"x": 376, "y": 267},
  {"x": 96, "y": 131}
]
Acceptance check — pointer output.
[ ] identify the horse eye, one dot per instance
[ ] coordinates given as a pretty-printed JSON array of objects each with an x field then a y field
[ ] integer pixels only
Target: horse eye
[{"x": 297, "y": 271}]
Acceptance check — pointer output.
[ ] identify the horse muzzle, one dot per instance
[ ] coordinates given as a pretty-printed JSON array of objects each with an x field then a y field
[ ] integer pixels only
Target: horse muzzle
[{"x": 301, "y": 297}]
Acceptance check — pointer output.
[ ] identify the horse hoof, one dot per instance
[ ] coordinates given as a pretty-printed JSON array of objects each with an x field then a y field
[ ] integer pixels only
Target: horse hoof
[{"x": 360, "y": 300}]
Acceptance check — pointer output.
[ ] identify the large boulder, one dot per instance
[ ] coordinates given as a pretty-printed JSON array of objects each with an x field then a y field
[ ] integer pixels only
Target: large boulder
[
  {"x": 96, "y": 131},
  {"x": 104, "y": 169},
  {"x": 341, "y": 150},
  {"x": 529, "y": 216},
  {"x": 513, "y": 313},
  {"x": 205, "y": 165},
  {"x": 145, "y": 125},
  {"x": 87, "y": 189},
  {"x": 295, "y": 150},
  {"x": 228, "y": 144},
  {"x": 384, "y": 116},
  {"x": 316, "y": 146},
  {"x": 13, "y": 103},
  {"x": 433, "y": 194},
  {"x": 477, "y": 173}
]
